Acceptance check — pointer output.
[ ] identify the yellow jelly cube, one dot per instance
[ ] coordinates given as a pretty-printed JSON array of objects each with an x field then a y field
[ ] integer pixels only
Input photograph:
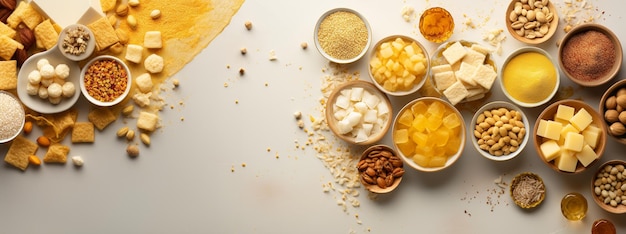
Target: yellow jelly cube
[
  {"x": 451, "y": 121},
  {"x": 401, "y": 136},
  {"x": 419, "y": 108},
  {"x": 421, "y": 160},
  {"x": 439, "y": 161},
  {"x": 406, "y": 118},
  {"x": 386, "y": 52},
  {"x": 440, "y": 137},
  {"x": 434, "y": 122},
  {"x": 419, "y": 122},
  {"x": 436, "y": 109},
  {"x": 453, "y": 145},
  {"x": 420, "y": 138},
  {"x": 407, "y": 148}
]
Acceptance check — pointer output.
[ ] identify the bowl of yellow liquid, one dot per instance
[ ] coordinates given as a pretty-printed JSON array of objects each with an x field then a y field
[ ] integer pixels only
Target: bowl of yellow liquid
[
  {"x": 529, "y": 77},
  {"x": 436, "y": 24}
]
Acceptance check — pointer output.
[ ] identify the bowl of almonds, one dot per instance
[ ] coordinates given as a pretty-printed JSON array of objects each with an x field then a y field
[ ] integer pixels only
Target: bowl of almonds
[
  {"x": 380, "y": 169},
  {"x": 500, "y": 130},
  {"x": 613, "y": 107},
  {"x": 532, "y": 21}
]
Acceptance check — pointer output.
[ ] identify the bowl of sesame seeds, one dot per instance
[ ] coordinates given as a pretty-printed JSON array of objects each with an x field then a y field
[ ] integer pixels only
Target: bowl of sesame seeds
[
  {"x": 342, "y": 35},
  {"x": 12, "y": 118},
  {"x": 105, "y": 80}
]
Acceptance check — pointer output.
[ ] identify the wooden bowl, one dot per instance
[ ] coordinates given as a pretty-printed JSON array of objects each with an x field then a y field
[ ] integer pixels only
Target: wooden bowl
[
  {"x": 516, "y": 181},
  {"x": 548, "y": 114},
  {"x": 618, "y": 54},
  {"x": 534, "y": 41},
  {"x": 461, "y": 136},
  {"x": 619, "y": 209},
  {"x": 375, "y": 188},
  {"x": 611, "y": 91},
  {"x": 422, "y": 79},
  {"x": 333, "y": 122},
  {"x": 495, "y": 105}
]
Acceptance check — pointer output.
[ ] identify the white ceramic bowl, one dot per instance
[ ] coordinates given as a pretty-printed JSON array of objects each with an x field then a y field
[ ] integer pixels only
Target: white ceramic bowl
[
  {"x": 22, "y": 120},
  {"x": 461, "y": 135},
  {"x": 91, "y": 43},
  {"x": 531, "y": 90},
  {"x": 496, "y": 105},
  {"x": 331, "y": 58},
  {"x": 44, "y": 106},
  {"x": 416, "y": 86},
  {"x": 96, "y": 101}
]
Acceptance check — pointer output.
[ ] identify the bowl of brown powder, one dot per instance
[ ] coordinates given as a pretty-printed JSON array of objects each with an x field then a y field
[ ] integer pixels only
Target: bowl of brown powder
[
  {"x": 590, "y": 55},
  {"x": 342, "y": 35}
]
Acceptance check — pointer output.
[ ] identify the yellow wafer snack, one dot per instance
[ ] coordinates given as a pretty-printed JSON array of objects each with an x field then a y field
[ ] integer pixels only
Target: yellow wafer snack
[
  {"x": 8, "y": 75},
  {"x": 101, "y": 117},
  {"x": 83, "y": 132},
  {"x": 57, "y": 153},
  {"x": 46, "y": 35},
  {"x": 104, "y": 33},
  {"x": 20, "y": 150}
]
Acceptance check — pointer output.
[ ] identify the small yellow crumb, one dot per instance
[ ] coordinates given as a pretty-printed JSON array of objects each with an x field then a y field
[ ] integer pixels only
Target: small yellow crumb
[
  {"x": 225, "y": 84},
  {"x": 269, "y": 149},
  {"x": 243, "y": 165},
  {"x": 248, "y": 25},
  {"x": 304, "y": 45},
  {"x": 232, "y": 168},
  {"x": 266, "y": 84},
  {"x": 181, "y": 103},
  {"x": 236, "y": 101},
  {"x": 176, "y": 83},
  {"x": 182, "y": 119},
  {"x": 244, "y": 50},
  {"x": 227, "y": 66}
]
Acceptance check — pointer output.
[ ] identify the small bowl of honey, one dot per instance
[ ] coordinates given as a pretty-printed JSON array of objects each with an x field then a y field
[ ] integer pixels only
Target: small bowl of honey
[{"x": 436, "y": 24}]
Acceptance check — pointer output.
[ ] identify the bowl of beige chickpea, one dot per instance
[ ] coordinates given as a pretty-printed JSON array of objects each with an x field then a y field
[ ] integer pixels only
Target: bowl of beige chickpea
[{"x": 500, "y": 130}]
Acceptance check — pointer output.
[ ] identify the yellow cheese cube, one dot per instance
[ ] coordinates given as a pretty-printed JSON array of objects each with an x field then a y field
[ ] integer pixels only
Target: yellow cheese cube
[
  {"x": 591, "y": 138},
  {"x": 152, "y": 40},
  {"x": 550, "y": 129},
  {"x": 567, "y": 129},
  {"x": 581, "y": 119},
  {"x": 564, "y": 112},
  {"x": 550, "y": 150},
  {"x": 567, "y": 161},
  {"x": 574, "y": 142},
  {"x": 593, "y": 128},
  {"x": 586, "y": 155}
]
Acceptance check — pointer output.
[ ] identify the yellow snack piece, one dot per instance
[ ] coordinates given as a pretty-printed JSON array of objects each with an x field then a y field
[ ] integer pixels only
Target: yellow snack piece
[
  {"x": 566, "y": 161},
  {"x": 550, "y": 150},
  {"x": 581, "y": 119},
  {"x": 574, "y": 142},
  {"x": 564, "y": 112}
]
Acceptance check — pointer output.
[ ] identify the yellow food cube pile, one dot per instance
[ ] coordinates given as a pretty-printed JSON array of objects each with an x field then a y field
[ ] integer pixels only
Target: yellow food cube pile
[
  {"x": 569, "y": 138},
  {"x": 429, "y": 132},
  {"x": 398, "y": 65}
]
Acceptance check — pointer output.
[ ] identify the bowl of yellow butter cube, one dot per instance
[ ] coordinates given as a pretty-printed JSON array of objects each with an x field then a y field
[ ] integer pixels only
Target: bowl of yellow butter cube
[
  {"x": 429, "y": 134},
  {"x": 569, "y": 136},
  {"x": 462, "y": 71},
  {"x": 399, "y": 65}
]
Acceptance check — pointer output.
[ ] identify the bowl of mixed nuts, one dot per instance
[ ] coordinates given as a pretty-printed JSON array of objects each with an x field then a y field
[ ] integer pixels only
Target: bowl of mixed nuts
[
  {"x": 76, "y": 42},
  {"x": 105, "y": 80},
  {"x": 608, "y": 186},
  {"x": 532, "y": 21},
  {"x": 380, "y": 169},
  {"x": 613, "y": 107}
]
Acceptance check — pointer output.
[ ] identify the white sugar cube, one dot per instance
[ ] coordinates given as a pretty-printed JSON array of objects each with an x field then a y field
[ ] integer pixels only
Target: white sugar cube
[
  {"x": 353, "y": 118},
  {"x": 361, "y": 107},
  {"x": 370, "y": 116},
  {"x": 342, "y": 102},
  {"x": 340, "y": 114},
  {"x": 343, "y": 126},
  {"x": 144, "y": 82},
  {"x": 371, "y": 100},
  {"x": 361, "y": 136},
  {"x": 134, "y": 53},
  {"x": 368, "y": 128},
  {"x": 357, "y": 94},
  {"x": 152, "y": 40},
  {"x": 382, "y": 109}
]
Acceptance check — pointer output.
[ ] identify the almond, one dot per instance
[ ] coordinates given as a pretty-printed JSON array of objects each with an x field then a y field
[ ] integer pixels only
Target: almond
[
  {"x": 34, "y": 160},
  {"x": 43, "y": 141},
  {"x": 28, "y": 127},
  {"x": 9, "y": 4},
  {"x": 4, "y": 14}
]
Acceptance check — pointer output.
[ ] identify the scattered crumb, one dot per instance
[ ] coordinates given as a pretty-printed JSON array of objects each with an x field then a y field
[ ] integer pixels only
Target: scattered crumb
[
  {"x": 227, "y": 66},
  {"x": 242, "y": 71},
  {"x": 176, "y": 83},
  {"x": 304, "y": 45},
  {"x": 243, "y": 165},
  {"x": 225, "y": 84},
  {"x": 297, "y": 115},
  {"x": 78, "y": 161},
  {"x": 408, "y": 13},
  {"x": 495, "y": 38},
  {"x": 269, "y": 149},
  {"x": 182, "y": 119},
  {"x": 236, "y": 101},
  {"x": 300, "y": 124},
  {"x": 248, "y": 25},
  {"x": 277, "y": 156},
  {"x": 232, "y": 168},
  {"x": 266, "y": 84},
  {"x": 244, "y": 50},
  {"x": 272, "y": 56}
]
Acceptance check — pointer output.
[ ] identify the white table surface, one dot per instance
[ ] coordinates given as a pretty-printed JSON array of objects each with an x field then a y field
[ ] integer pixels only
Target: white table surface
[{"x": 183, "y": 183}]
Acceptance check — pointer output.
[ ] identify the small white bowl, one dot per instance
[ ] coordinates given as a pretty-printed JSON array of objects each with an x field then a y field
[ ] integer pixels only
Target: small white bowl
[
  {"x": 23, "y": 119},
  {"x": 37, "y": 104},
  {"x": 331, "y": 58},
  {"x": 452, "y": 158},
  {"x": 531, "y": 90},
  {"x": 96, "y": 101},
  {"x": 91, "y": 43},
  {"x": 496, "y": 105}
]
